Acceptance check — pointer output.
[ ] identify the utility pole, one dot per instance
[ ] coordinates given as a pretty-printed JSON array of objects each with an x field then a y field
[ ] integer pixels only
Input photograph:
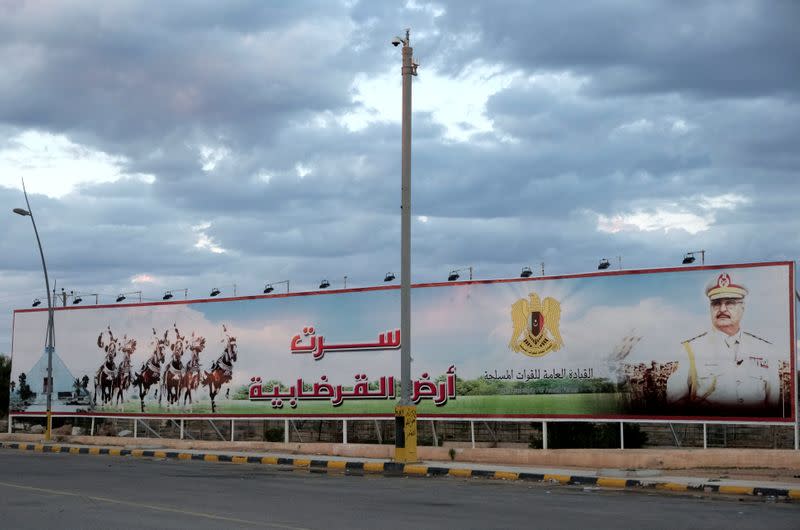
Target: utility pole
[{"x": 406, "y": 411}]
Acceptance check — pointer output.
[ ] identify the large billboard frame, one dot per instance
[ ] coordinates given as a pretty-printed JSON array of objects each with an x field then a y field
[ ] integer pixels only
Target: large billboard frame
[{"x": 622, "y": 418}]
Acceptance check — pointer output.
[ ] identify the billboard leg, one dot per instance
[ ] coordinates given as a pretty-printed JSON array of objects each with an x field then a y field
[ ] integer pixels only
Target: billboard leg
[
  {"x": 181, "y": 428},
  {"x": 91, "y": 429},
  {"x": 544, "y": 435},
  {"x": 705, "y": 436},
  {"x": 11, "y": 427},
  {"x": 435, "y": 438},
  {"x": 286, "y": 431},
  {"x": 621, "y": 435},
  {"x": 472, "y": 433},
  {"x": 344, "y": 432},
  {"x": 135, "y": 427},
  {"x": 233, "y": 429}
]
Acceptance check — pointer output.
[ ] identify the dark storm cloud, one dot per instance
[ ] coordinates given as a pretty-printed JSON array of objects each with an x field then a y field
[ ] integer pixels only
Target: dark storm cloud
[{"x": 708, "y": 49}]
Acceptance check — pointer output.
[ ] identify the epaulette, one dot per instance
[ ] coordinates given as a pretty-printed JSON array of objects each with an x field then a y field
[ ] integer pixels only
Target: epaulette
[
  {"x": 697, "y": 337},
  {"x": 757, "y": 337}
]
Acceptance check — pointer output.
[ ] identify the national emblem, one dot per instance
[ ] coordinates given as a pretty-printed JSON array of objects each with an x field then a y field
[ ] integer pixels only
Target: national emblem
[{"x": 536, "y": 326}]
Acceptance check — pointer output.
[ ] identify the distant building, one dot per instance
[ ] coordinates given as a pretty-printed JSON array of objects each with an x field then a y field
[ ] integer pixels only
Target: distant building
[{"x": 62, "y": 378}]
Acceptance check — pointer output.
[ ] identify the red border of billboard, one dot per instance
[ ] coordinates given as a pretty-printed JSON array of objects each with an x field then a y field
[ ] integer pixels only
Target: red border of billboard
[{"x": 792, "y": 347}]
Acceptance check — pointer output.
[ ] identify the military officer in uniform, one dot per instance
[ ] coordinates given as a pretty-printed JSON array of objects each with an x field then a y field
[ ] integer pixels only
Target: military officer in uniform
[{"x": 726, "y": 369}]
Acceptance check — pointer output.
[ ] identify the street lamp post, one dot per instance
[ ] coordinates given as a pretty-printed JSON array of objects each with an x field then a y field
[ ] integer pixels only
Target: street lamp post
[
  {"x": 406, "y": 411},
  {"x": 50, "y": 340}
]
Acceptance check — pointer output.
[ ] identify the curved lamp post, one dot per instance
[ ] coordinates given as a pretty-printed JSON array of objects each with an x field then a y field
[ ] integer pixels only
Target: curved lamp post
[{"x": 50, "y": 341}]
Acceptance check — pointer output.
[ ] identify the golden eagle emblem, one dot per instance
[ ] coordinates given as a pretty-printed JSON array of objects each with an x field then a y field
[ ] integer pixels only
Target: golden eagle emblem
[{"x": 536, "y": 326}]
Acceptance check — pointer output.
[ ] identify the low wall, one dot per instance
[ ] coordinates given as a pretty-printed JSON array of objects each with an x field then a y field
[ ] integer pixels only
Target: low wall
[{"x": 587, "y": 458}]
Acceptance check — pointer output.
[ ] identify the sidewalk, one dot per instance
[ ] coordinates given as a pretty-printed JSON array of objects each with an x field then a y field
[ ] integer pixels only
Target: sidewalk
[{"x": 705, "y": 482}]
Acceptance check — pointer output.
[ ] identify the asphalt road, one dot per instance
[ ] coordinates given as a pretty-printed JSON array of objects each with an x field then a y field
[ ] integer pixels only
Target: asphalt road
[{"x": 82, "y": 491}]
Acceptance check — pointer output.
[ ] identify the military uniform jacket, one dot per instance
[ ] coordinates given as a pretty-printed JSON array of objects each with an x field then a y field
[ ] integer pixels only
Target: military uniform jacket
[{"x": 726, "y": 371}]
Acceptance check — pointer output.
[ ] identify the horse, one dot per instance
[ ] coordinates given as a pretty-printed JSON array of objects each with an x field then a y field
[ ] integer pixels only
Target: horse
[
  {"x": 104, "y": 378},
  {"x": 222, "y": 369},
  {"x": 150, "y": 372},
  {"x": 191, "y": 374},
  {"x": 122, "y": 379},
  {"x": 173, "y": 374}
]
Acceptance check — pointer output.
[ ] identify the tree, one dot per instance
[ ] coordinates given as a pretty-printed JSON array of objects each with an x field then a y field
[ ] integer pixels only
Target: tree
[
  {"x": 5, "y": 384},
  {"x": 25, "y": 392}
]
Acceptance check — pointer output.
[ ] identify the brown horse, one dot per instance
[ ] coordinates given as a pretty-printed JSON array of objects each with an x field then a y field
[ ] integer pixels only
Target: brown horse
[
  {"x": 150, "y": 373},
  {"x": 191, "y": 374},
  {"x": 222, "y": 369},
  {"x": 122, "y": 379},
  {"x": 104, "y": 378},
  {"x": 171, "y": 382}
]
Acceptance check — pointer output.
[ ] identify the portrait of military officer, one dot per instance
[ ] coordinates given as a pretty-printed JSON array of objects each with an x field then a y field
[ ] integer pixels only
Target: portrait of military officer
[{"x": 726, "y": 370}]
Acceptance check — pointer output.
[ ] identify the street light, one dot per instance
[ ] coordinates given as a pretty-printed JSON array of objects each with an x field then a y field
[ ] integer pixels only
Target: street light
[
  {"x": 51, "y": 338},
  {"x": 406, "y": 411},
  {"x": 690, "y": 258}
]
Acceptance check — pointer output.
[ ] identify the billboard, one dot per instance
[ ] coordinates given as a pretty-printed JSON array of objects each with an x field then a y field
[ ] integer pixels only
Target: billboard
[{"x": 692, "y": 343}]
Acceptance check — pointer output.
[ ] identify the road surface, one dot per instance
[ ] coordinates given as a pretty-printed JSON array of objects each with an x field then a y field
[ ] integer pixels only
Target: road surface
[{"x": 43, "y": 490}]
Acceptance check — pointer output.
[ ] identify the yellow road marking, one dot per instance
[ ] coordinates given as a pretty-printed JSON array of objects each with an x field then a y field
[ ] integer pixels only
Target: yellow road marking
[
  {"x": 460, "y": 473},
  {"x": 211, "y": 458},
  {"x": 184, "y": 456},
  {"x": 137, "y": 452},
  {"x": 154, "y": 507},
  {"x": 611, "y": 482},
  {"x": 671, "y": 486},
  {"x": 38, "y": 448},
  {"x": 794, "y": 494},
  {"x": 115, "y": 452},
  {"x": 55, "y": 449},
  {"x": 563, "y": 479},
  {"x": 373, "y": 467},
  {"x": 74, "y": 450},
  {"x": 301, "y": 462},
  {"x": 270, "y": 460},
  {"x": 337, "y": 464},
  {"x": 160, "y": 454},
  {"x": 411, "y": 469},
  {"x": 239, "y": 459},
  {"x": 506, "y": 475},
  {"x": 94, "y": 450},
  {"x": 736, "y": 490}
]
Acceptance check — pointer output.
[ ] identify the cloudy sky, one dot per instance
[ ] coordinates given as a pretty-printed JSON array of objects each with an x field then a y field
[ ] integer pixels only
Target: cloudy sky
[{"x": 204, "y": 144}]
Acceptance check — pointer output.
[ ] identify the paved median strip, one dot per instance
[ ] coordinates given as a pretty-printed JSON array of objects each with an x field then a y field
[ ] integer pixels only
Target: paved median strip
[{"x": 411, "y": 470}]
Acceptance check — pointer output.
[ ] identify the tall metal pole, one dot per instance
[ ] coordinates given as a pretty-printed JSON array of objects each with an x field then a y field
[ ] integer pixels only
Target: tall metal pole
[
  {"x": 51, "y": 339},
  {"x": 405, "y": 230},
  {"x": 406, "y": 415}
]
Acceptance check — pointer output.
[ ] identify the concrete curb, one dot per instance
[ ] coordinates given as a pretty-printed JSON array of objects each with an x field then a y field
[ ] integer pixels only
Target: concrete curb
[{"x": 395, "y": 469}]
